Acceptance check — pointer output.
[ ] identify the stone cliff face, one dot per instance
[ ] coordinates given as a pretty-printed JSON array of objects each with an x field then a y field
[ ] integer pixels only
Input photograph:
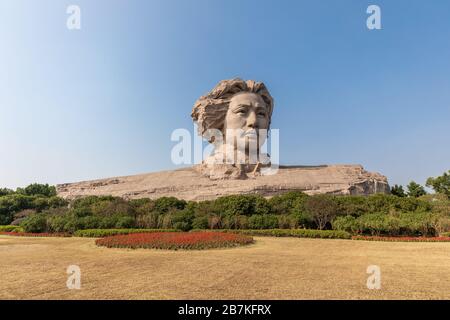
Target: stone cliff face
[{"x": 189, "y": 184}]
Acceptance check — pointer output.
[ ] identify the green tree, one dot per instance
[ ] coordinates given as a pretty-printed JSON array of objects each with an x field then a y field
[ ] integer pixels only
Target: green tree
[
  {"x": 263, "y": 221},
  {"x": 5, "y": 191},
  {"x": 440, "y": 184},
  {"x": 323, "y": 209},
  {"x": 166, "y": 204},
  {"x": 245, "y": 205},
  {"x": 36, "y": 189},
  {"x": 397, "y": 190},
  {"x": 289, "y": 202},
  {"x": 415, "y": 190}
]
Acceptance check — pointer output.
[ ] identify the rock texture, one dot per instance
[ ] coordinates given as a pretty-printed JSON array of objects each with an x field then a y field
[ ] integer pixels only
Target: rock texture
[{"x": 190, "y": 184}]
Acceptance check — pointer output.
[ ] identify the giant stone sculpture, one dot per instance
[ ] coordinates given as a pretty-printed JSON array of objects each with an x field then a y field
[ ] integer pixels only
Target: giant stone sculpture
[{"x": 245, "y": 108}]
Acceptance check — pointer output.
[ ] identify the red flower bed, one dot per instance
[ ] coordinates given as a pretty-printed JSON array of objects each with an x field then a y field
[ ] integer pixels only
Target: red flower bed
[
  {"x": 27, "y": 234},
  {"x": 402, "y": 239},
  {"x": 175, "y": 240}
]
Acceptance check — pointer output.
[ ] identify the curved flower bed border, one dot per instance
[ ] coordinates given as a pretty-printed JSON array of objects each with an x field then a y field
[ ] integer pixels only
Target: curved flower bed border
[
  {"x": 175, "y": 240},
  {"x": 402, "y": 239},
  {"x": 28, "y": 234}
]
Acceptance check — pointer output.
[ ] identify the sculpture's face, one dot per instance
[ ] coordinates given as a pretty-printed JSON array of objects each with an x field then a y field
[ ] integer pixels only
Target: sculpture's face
[{"x": 248, "y": 112}]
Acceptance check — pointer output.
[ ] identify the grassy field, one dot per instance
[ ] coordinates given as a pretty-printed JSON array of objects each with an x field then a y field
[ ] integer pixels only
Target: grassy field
[{"x": 272, "y": 268}]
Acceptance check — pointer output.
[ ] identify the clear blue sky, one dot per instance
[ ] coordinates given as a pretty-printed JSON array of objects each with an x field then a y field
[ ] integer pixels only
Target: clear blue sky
[{"x": 103, "y": 101}]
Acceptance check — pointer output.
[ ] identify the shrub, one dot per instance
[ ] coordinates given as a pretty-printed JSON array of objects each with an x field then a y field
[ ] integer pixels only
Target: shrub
[
  {"x": 241, "y": 205},
  {"x": 260, "y": 205},
  {"x": 215, "y": 221},
  {"x": 22, "y": 215},
  {"x": 200, "y": 222},
  {"x": 90, "y": 222},
  {"x": 439, "y": 203},
  {"x": 142, "y": 203},
  {"x": 204, "y": 208},
  {"x": 81, "y": 212},
  {"x": 234, "y": 205},
  {"x": 35, "y": 223},
  {"x": 40, "y": 203},
  {"x": 30, "y": 234},
  {"x": 165, "y": 204},
  {"x": 149, "y": 220},
  {"x": 376, "y": 224},
  {"x": 441, "y": 224},
  {"x": 288, "y": 203},
  {"x": 301, "y": 219},
  {"x": 89, "y": 201},
  {"x": 346, "y": 223},
  {"x": 11, "y": 229},
  {"x": 284, "y": 221},
  {"x": 98, "y": 233},
  {"x": 352, "y": 205},
  {"x": 73, "y": 224},
  {"x": 175, "y": 241},
  {"x": 5, "y": 192},
  {"x": 383, "y": 203},
  {"x": 115, "y": 207},
  {"x": 410, "y": 205},
  {"x": 10, "y": 204},
  {"x": 57, "y": 223},
  {"x": 57, "y": 202},
  {"x": 380, "y": 203},
  {"x": 108, "y": 222},
  {"x": 235, "y": 222},
  {"x": 265, "y": 221},
  {"x": 182, "y": 220},
  {"x": 124, "y": 222},
  {"x": 418, "y": 223},
  {"x": 402, "y": 239},
  {"x": 165, "y": 221}
]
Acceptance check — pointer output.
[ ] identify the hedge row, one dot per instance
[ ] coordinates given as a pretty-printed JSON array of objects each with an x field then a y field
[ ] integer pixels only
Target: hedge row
[
  {"x": 402, "y": 239},
  {"x": 10, "y": 228},
  {"x": 406, "y": 224},
  {"x": 99, "y": 233},
  {"x": 298, "y": 233},
  {"x": 31, "y": 234}
]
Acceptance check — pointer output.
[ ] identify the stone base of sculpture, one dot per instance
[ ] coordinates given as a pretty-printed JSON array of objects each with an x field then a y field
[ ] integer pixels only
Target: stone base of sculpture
[{"x": 193, "y": 183}]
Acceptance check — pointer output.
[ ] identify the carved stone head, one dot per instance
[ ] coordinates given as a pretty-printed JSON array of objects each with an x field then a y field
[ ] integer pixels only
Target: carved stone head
[
  {"x": 234, "y": 104},
  {"x": 241, "y": 107}
]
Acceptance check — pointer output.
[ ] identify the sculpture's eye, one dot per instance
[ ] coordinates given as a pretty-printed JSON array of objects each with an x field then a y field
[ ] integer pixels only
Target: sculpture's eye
[
  {"x": 241, "y": 111},
  {"x": 261, "y": 113}
]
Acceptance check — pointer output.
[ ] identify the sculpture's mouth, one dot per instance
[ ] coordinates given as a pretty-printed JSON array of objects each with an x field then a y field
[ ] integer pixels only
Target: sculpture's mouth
[{"x": 250, "y": 134}]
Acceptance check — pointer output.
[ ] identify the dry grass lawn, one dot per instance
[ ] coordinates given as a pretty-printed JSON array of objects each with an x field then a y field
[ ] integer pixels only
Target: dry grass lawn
[{"x": 272, "y": 268}]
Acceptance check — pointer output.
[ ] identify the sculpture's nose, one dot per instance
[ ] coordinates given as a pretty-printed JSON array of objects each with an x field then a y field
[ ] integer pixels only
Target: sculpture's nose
[{"x": 251, "y": 120}]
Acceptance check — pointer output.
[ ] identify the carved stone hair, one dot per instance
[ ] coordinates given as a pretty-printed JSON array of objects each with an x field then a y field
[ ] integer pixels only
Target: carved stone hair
[{"x": 209, "y": 111}]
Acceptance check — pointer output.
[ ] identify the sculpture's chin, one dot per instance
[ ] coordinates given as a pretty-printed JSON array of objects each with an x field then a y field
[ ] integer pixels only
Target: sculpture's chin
[{"x": 221, "y": 165}]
